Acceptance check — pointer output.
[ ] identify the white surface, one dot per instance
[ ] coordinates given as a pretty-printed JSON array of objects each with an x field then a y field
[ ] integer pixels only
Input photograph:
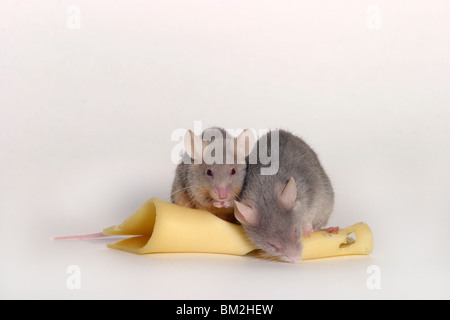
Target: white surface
[{"x": 86, "y": 117}]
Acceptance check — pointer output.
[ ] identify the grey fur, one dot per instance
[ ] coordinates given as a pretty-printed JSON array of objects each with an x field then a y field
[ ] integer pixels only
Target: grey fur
[
  {"x": 191, "y": 181},
  {"x": 314, "y": 203}
]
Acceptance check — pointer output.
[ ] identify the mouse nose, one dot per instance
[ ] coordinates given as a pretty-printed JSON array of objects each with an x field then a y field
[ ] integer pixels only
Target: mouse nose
[
  {"x": 294, "y": 256},
  {"x": 223, "y": 192}
]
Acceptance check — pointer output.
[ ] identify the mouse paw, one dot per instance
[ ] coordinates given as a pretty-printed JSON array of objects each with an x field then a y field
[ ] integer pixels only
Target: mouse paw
[
  {"x": 223, "y": 204},
  {"x": 218, "y": 204},
  {"x": 332, "y": 230},
  {"x": 227, "y": 204},
  {"x": 307, "y": 230}
]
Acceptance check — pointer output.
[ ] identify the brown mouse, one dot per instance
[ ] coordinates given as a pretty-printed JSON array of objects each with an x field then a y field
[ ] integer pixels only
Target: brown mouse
[{"x": 212, "y": 171}]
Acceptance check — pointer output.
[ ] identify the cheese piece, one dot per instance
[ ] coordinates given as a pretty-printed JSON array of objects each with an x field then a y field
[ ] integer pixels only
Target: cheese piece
[
  {"x": 322, "y": 244},
  {"x": 165, "y": 227}
]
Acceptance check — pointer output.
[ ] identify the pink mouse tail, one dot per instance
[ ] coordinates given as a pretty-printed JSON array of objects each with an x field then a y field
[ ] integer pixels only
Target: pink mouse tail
[{"x": 81, "y": 236}]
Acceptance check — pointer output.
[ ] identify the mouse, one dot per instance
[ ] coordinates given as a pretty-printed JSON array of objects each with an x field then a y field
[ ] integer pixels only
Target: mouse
[
  {"x": 212, "y": 184},
  {"x": 277, "y": 208}
]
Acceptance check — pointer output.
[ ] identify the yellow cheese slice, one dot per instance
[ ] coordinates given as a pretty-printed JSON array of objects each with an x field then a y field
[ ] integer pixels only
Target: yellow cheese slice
[
  {"x": 165, "y": 227},
  {"x": 322, "y": 244}
]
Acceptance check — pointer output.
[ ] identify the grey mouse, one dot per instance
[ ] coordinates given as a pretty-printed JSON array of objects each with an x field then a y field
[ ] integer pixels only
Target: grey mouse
[
  {"x": 212, "y": 184},
  {"x": 276, "y": 209}
]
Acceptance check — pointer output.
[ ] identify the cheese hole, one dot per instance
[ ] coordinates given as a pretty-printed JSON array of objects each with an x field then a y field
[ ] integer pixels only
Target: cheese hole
[{"x": 349, "y": 240}]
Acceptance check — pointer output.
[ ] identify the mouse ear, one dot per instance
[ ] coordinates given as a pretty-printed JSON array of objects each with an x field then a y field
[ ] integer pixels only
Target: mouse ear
[
  {"x": 244, "y": 144},
  {"x": 289, "y": 194},
  {"x": 194, "y": 146},
  {"x": 245, "y": 214}
]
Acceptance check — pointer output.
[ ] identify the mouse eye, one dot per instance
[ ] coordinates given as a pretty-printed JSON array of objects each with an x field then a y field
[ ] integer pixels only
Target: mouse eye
[
  {"x": 233, "y": 171},
  {"x": 274, "y": 247},
  {"x": 296, "y": 234},
  {"x": 209, "y": 172}
]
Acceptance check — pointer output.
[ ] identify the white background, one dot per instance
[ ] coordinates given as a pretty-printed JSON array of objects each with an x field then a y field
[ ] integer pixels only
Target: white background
[{"x": 86, "y": 116}]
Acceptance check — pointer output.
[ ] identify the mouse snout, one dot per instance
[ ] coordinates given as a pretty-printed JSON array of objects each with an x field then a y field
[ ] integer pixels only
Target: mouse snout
[
  {"x": 223, "y": 192},
  {"x": 294, "y": 258},
  {"x": 293, "y": 255}
]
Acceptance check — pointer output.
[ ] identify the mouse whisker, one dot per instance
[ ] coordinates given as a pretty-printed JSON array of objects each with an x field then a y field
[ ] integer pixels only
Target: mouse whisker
[{"x": 178, "y": 191}]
